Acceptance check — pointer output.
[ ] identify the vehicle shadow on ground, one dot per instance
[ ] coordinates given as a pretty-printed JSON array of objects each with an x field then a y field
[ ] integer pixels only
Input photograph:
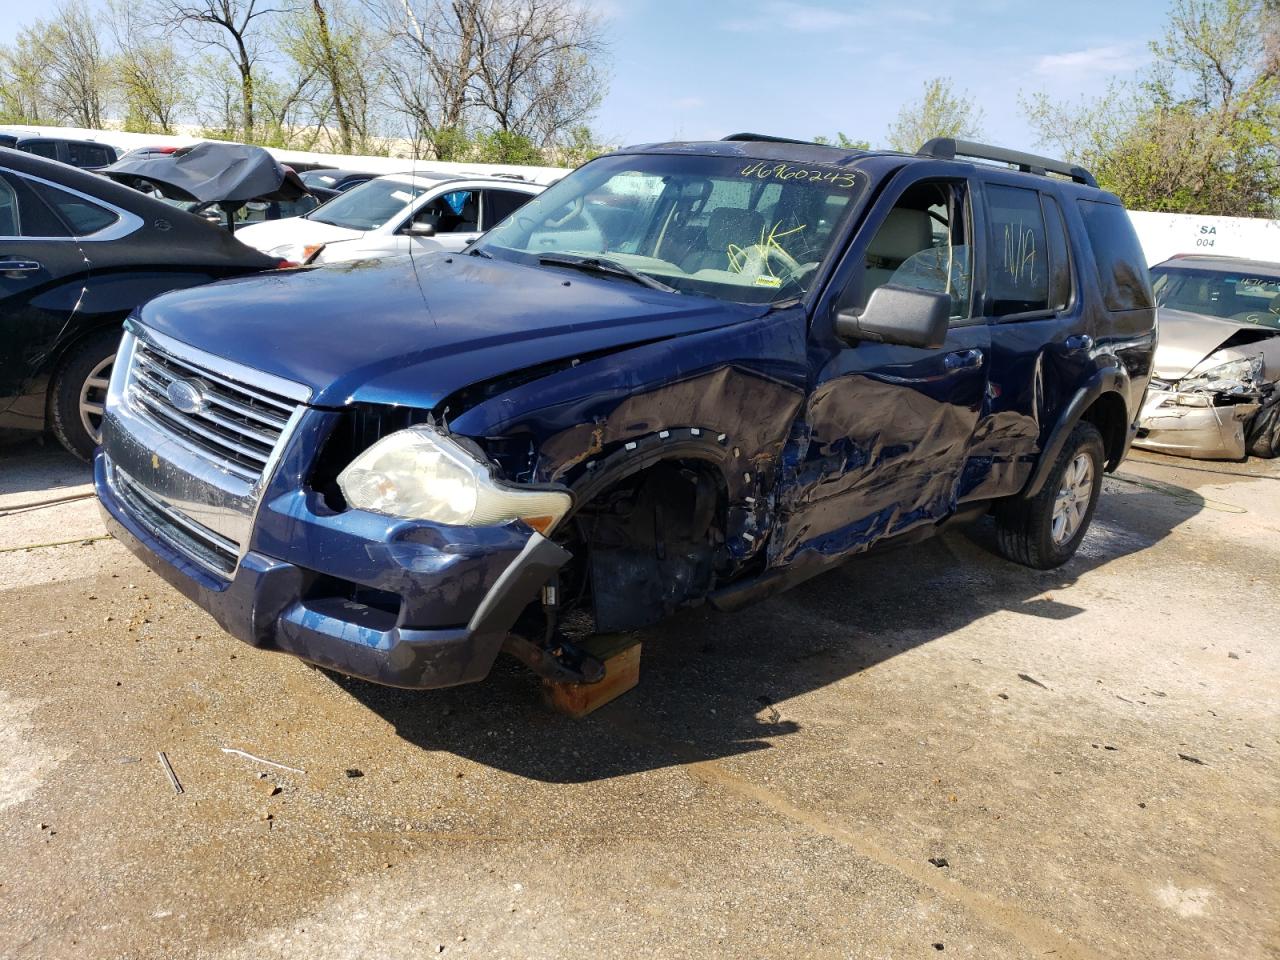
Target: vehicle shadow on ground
[
  {"x": 37, "y": 470},
  {"x": 715, "y": 685}
]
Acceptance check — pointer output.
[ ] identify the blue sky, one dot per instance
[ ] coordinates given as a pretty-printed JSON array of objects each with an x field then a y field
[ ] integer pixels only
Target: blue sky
[
  {"x": 701, "y": 69},
  {"x": 705, "y": 69}
]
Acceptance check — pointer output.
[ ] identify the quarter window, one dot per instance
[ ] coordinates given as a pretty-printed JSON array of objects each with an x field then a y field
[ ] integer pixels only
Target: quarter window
[
  {"x": 1018, "y": 251},
  {"x": 1059, "y": 258},
  {"x": 1122, "y": 266},
  {"x": 81, "y": 216}
]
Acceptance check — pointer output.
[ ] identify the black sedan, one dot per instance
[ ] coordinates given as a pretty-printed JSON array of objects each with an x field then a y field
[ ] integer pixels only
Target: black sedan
[{"x": 77, "y": 254}]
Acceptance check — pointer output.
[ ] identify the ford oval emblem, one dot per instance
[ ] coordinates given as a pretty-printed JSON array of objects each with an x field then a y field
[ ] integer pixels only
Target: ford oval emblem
[{"x": 187, "y": 396}]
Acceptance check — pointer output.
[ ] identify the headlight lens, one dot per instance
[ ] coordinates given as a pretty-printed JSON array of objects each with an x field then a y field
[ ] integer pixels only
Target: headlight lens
[
  {"x": 1234, "y": 377},
  {"x": 421, "y": 474}
]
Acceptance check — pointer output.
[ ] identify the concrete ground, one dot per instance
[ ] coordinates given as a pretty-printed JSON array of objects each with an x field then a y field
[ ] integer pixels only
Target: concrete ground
[{"x": 929, "y": 751}]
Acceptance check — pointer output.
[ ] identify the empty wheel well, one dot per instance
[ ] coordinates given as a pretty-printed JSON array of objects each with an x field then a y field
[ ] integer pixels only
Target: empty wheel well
[
  {"x": 1110, "y": 415},
  {"x": 647, "y": 544}
]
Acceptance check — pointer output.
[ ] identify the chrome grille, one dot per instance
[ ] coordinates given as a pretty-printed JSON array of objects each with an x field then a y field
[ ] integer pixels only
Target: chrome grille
[
  {"x": 208, "y": 548},
  {"x": 237, "y": 425}
]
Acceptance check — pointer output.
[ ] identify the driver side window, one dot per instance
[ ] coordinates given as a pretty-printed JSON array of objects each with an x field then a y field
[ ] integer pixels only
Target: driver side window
[
  {"x": 457, "y": 212},
  {"x": 923, "y": 243}
]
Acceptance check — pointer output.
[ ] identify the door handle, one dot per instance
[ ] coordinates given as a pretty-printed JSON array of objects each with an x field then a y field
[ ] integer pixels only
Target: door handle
[
  {"x": 963, "y": 359},
  {"x": 14, "y": 269},
  {"x": 1079, "y": 343}
]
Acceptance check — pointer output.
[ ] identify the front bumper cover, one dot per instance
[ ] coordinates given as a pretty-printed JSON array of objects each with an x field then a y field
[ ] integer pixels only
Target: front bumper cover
[{"x": 280, "y": 605}]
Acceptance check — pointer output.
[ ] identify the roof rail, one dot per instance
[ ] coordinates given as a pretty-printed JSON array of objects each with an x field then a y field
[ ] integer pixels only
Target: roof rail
[
  {"x": 761, "y": 138},
  {"x": 945, "y": 148}
]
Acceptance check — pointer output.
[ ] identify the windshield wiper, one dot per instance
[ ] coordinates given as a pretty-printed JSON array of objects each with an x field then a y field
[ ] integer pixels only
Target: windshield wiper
[{"x": 604, "y": 266}]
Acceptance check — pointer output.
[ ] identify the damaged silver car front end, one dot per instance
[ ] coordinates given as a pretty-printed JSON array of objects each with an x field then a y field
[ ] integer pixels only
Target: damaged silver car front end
[{"x": 1223, "y": 404}]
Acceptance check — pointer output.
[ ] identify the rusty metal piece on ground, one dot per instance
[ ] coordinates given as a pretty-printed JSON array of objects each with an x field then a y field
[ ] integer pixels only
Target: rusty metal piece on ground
[
  {"x": 168, "y": 769},
  {"x": 621, "y": 658}
]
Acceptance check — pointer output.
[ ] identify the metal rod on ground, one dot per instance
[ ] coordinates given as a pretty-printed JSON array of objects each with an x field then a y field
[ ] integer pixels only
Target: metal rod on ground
[{"x": 168, "y": 768}]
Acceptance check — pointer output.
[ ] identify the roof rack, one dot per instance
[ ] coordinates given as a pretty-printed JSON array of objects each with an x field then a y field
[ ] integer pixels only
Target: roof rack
[
  {"x": 945, "y": 148},
  {"x": 761, "y": 138}
]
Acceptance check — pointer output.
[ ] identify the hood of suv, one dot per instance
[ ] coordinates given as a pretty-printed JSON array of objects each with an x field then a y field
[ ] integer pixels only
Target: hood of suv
[{"x": 411, "y": 331}]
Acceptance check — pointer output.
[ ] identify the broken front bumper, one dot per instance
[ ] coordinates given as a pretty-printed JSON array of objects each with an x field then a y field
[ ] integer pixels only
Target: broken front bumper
[
  {"x": 402, "y": 603},
  {"x": 1187, "y": 424}
]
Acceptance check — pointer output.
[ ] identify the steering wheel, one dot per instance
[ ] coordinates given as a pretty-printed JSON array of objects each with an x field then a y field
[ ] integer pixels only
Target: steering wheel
[
  {"x": 765, "y": 260},
  {"x": 577, "y": 211}
]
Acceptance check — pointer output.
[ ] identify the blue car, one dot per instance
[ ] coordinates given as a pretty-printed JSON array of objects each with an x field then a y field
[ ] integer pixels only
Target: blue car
[{"x": 686, "y": 373}]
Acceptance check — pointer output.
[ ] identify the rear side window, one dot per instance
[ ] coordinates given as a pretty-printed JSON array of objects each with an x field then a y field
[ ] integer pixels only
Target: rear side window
[
  {"x": 9, "y": 226},
  {"x": 1122, "y": 266},
  {"x": 1017, "y": 250},
  {"x": 500, "y": 204},
  {"x": 87, "y": 155},
  {"x": 22, "y": 210},
  {"x": 42, "y": 148},
  {"x": 1059, "y": 257},
  {"x": 82, "y": 218}
]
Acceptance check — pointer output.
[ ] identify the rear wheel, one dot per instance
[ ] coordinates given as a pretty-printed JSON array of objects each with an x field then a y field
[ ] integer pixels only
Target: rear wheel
[
  {"x": 80, "y": 392},
  {"x": 1045, "y": 531}
]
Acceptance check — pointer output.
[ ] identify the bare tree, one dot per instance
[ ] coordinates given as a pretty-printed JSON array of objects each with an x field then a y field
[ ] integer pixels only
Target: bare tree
[
  {"x": 536, "y": 65},
  {"x": 233, "y": 27},
  {"x": 940, "y": 112},
  {"x": 429, "y": 59}
]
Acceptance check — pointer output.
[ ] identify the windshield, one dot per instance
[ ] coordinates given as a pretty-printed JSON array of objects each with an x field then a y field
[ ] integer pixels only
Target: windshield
[
  {"x": 752, "y": 231},
  {"x": 1239, "y": 296},
  {"x": 369, "y": 205}
]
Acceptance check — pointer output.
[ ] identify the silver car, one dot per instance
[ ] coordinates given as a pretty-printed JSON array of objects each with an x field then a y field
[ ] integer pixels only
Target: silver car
[{"x": 1216, "y": 390}]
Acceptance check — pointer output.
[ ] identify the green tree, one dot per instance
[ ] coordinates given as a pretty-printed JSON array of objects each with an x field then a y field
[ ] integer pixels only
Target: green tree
[
  {"x": 843, "y": 141},
  {"x": 503, "y": 146},
  {"x": 940, "y": 112},
  {"x": 1198, "y": 131}
]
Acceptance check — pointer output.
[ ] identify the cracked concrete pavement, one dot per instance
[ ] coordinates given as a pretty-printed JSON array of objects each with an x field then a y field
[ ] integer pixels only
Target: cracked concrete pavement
[{"x": 928, "y": 752}]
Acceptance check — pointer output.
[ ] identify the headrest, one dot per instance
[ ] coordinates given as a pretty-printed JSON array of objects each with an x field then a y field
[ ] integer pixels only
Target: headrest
[
  {"x": 903, "y": 233},
  {"x": 728, "y": 225}
]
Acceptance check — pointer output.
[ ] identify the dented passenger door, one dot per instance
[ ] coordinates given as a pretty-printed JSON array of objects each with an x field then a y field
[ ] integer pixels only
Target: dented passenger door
[{"x": 886, "y": 434}]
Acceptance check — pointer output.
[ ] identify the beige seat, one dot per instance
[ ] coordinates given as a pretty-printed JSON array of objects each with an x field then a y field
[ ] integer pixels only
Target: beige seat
[
  {"x": 904, "y": 232},
  {"x": 727, "y": 226}
]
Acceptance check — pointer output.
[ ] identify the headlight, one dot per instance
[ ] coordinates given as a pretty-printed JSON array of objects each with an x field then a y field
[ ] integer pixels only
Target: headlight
[
  {"x": 1246, "y": 372},
  {"x": 422, "y": 474},
  {"x": 287, "y": 251}
]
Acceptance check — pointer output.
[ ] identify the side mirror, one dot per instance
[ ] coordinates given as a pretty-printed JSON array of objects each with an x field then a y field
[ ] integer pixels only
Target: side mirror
[
  {"x": 899, "y": 315},
  {"x": 416, "y": 229}
]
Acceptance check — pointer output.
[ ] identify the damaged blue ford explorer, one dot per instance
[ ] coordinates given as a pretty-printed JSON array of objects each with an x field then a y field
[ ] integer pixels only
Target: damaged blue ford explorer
[{"x": 686, "y": 373}]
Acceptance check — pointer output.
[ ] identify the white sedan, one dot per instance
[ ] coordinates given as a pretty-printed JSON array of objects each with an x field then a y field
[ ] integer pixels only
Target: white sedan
[{"x": 395, "y": 214}]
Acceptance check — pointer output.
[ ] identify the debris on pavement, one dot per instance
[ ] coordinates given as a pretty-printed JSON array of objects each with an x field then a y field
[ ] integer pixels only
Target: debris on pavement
[
  {"x": 353, "y": 772},
  {"x": 1190, "y": 759},
  {"x": 168, "y": 769},
  {"x": 1031, "y": 679},
  {"x": 270, "y": 763},
  {"x": 939, "y": 862}
]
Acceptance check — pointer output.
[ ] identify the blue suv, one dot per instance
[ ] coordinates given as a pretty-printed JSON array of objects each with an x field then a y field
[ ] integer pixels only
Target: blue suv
[{"x": 686, "y": 373}]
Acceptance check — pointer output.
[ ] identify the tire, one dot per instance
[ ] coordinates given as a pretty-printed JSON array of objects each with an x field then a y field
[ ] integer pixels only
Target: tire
[
  {"x": 1263, "y": 435},
  {"x": 79, "y": 390},
  {"x": 1045, "y": 531}
]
